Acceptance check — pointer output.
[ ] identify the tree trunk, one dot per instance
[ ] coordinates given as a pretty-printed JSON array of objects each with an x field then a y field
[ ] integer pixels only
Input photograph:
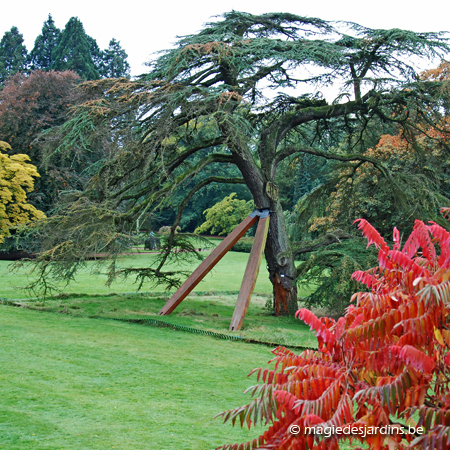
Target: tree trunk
[
  {"x": 280, "y": 263},
  {"x": 279, "y": 256}
]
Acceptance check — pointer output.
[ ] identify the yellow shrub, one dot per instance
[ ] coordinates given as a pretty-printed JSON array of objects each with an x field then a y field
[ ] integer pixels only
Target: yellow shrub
[{"x": 16, "y": 179}]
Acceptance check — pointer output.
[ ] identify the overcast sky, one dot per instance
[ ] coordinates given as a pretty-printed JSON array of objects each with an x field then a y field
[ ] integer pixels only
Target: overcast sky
[{"x": 145, "y": 27}]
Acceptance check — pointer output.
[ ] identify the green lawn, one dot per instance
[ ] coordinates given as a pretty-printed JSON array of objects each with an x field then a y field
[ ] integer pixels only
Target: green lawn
[
  {"x": 77, "y": 383},
  {"x": 69, "y": 381},
  {"x": 226, "y": 276},
  {"x": 212, "y": 311}
]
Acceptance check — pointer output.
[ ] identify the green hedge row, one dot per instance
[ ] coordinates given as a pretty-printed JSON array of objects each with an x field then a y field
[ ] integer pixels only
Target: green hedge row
[{"x": 244, "y": 245}]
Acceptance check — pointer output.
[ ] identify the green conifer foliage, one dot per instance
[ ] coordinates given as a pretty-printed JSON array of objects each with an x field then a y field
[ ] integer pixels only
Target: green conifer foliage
[
  {"x": 74, "y": 51},
  {"x": 115, "y": 63},
  {"x": 13, "y": 54},
  {"x": 96, "y": 53},
  {"x": 44, "y": 45}
]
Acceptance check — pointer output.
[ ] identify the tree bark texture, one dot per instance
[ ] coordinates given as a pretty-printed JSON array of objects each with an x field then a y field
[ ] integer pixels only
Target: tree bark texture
[{"x": 280, "y": 263}]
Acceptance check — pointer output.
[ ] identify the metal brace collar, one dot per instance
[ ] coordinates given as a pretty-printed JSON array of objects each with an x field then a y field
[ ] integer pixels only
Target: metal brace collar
[{"x": 261, "y": 213}]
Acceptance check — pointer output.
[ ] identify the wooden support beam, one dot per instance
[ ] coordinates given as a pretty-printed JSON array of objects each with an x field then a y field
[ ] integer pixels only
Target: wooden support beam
[
  {"x": 251, "y": 273},
  {"x": 202, "y": 270}
]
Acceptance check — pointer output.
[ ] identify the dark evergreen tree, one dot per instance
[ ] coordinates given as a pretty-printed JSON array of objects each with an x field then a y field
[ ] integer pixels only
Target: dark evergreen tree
[
  {"x": 74, "y": 51},
  {"x": 44, "y": 45},
  {"x": 115, "y": 63},
  {"x": 96, "y": 53},
  {"x": 13, "y": 54}
]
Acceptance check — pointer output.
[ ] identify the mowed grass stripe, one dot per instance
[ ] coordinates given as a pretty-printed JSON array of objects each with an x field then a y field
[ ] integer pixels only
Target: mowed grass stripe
[{"x": 76, "y": 383}]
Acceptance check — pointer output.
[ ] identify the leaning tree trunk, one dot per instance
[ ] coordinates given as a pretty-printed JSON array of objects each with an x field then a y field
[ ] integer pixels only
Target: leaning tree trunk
[{"x": 279, "y": 257}]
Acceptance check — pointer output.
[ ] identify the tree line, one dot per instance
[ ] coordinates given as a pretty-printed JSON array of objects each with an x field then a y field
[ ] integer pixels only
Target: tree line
[
  {"x": 38, "y": 90},
  {"x": 69, "y": 49}
]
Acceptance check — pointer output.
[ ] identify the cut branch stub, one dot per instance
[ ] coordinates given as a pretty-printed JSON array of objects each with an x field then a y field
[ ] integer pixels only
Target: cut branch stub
[{"x": 272, "y": 191}]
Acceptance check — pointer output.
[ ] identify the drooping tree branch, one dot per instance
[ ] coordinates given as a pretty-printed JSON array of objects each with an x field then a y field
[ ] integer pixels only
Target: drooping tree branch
[
  {"x": 152, "y": 194},
  {"x": 332, "y": 156},
  {"x": 334, "y": 237},
  {"x": 168, "y": 168}
]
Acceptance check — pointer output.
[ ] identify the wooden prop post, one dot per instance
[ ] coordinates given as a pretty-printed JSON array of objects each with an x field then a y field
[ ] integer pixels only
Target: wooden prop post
[
  {"x": 205, "y": 267},
  {"x": 251, "y": 271}
]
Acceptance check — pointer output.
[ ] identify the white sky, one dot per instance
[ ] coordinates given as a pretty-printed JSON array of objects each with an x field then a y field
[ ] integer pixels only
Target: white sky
[{"x": 144, "y": 27}]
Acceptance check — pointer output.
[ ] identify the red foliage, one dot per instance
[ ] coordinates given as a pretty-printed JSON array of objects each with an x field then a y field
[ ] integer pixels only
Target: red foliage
[
  {"x": 371, "y": 234},
  {"x": 32, "y": 103},
  {"x": 385, "y": 363}
]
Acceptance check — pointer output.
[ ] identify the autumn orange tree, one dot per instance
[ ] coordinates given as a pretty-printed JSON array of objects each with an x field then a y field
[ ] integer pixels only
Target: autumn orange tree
[
  {"x": 440, "y": 74},
  {"x": 386, "y": 363},
  {"x": 416, "y": 186}
]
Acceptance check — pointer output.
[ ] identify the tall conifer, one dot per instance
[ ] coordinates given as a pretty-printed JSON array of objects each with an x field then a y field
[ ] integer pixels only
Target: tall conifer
[
  {"x": 74, "y": 51},
  {"x": 115, "y": 63},
  {"x": 13, "y": 54},
  {"x": 44, "y": 45}
]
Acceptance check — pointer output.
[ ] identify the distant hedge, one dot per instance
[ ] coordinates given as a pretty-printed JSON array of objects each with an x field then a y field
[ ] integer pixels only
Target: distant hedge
[{"x": 244, "y": 245}]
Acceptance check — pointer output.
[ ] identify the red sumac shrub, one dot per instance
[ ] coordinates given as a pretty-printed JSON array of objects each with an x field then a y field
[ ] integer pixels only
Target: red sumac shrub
[{"x": 381, "y": 373}]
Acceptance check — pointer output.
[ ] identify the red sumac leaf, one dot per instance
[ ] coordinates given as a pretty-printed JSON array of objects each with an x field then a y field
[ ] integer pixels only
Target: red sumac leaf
[
  {"x": 414, "y": 357},
  {"x": 371, "y": 234}
]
